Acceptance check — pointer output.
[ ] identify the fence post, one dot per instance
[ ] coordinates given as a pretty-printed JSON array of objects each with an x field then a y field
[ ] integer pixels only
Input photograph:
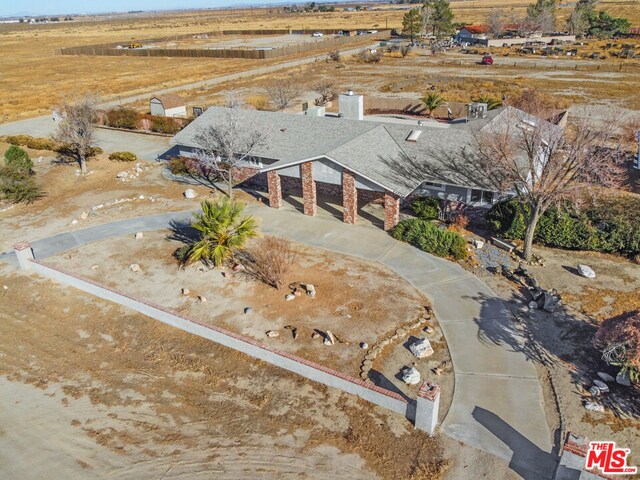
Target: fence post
[
  {"x": 24, "y": 253},
  {"x": 427, "y": 406}
]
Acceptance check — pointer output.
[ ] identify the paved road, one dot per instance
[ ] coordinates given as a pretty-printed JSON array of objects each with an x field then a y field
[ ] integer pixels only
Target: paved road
[{"x": 497, "y": 404}]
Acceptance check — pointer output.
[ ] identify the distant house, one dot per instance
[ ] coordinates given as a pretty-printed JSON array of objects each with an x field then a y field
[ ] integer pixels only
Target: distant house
[
  {"x": 473, "y": 34},
  {"x": 169, "y": 105}
]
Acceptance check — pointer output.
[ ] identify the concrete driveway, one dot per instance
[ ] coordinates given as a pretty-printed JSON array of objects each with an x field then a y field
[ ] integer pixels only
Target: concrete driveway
[
  {"x": 498, "y": 403},
  {"x": 146, "y": 147}
]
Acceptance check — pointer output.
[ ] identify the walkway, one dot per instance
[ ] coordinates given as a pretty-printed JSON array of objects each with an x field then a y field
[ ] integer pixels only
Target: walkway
[{"x": 497, "y": 404}]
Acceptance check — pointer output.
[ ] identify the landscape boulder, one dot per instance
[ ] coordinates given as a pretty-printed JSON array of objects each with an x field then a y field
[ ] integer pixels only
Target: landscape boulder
[
  {"x": 601, "y": 386},
  {"x": 410, "y": 376},
  {"x": 134, "y": 267},
  {"x": 273, "y": 334},
  {"x": 289, "y": 297},
  {"x": 185, "y": 291},
  {"x": 586, "y": 271},
  {"x": 311, "y": 290},
  {"x": 623, "y": 379},
  {"x": 139, "y": 235},
  {"x": 364, "y": 345},
  {"x": 594, "y": 407},
  {"x": 190, "y": 193},
  {"x": 605, "y": 377},
  {"x": 329, "y": 338},
  {"x": 421, "y": 348},
  {"x": 122, "y": 175}
]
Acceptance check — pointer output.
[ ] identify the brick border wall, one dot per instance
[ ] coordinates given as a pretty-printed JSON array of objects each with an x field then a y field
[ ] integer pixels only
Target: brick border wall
[{"x": 311, "y": 370}]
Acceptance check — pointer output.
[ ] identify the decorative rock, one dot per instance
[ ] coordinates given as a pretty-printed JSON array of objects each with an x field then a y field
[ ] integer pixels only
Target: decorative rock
[
  {"x": 248, "y": 310},
  {"x": 428, "y": 330},
  {"x": 437, "y": 371},
  {"x": 364, "y": 345},
  {"x": 139, "y": 235},
  {"x": 190, "y": 193},
  {"x": 601, "y": 386},
  {"x": 595, "y": 391},
  {"x": 329, "y": 339},
  {"x": 410, "y": 376},
  {"x": 238, "y": 267},
  {"x": 311, "y": 290},
  {"x": 273, "y": 334},
  {"x": 186, "y": 291},
  {"x": 315, "y": 335},
  {"x": 478, "y": 244},
  {"x": 623, "y": 379},
  {"x": 94, "y": 267},
  {"x": 134, "y": 267},
  {"x": 586, "y": 271},
  {"x": 122, "y": 175},
  {"x": 202, "y": 298},
  {"x": 606, "y": 377},
  {"x": 533, "y": 305},
  {"x": 594, "y": 407},
  {"x": 422, "y": 348},
  {"x": 289, "y": 297},
  {"x": 140, "y": 197},
  {"x": 297, "y": 293},
  {"x": 73, "y": 222}
]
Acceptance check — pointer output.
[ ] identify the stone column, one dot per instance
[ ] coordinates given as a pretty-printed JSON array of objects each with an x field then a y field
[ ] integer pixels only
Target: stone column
[
  {"x": 349, "y": 197},
  {"x": 391, "y": 210},
  {"x": 427, "y": 406},
  {"x": 308, "y": 189},
  {"x": 24, "y": 253},
  {"x": 275, "y": 189}
]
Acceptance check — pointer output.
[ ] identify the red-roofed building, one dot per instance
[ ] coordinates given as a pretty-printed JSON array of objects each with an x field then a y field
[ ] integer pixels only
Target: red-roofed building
[{"x": 472, "y": 34}]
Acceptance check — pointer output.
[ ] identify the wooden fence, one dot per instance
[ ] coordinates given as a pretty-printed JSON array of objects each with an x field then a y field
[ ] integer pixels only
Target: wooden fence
[{"x": 112, "y": 49}]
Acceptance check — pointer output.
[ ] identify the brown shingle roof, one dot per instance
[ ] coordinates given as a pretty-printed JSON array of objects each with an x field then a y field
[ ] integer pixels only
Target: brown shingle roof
[{"x": 170, "y": 100}]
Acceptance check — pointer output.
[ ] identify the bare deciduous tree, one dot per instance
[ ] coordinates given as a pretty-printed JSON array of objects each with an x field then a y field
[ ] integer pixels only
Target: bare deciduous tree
[
  {"x": 496, "y": 21},
  {"x": 282, "y": 92},
  {"x": 226, "y": 146},
  {"x": 327, "y": 91},
  {"x": 76, "y": 128},
  {"x": 269, "y": 260}
]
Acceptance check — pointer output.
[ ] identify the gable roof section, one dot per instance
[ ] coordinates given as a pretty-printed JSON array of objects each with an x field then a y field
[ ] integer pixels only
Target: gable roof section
[{"x": 476, "y": 29}]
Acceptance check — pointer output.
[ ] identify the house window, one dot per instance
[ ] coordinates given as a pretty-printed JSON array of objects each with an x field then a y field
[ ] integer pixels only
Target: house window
[
  {"x": 481, "y": 197},
  {"x": 433, "y": 185}
]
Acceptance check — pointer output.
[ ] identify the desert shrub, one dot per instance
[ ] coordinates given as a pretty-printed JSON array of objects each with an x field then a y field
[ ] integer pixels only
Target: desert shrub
[
  {"x": 619, "y": 340},
  {"x": 426, "y": 208},
  {"x": 17, "y": 158},
  {"x": 41, "y": 143},
  {"x": 123, "y": 157},
  {"x": 183, "y": 166},
  {"x": 334, "y": 56},
  {"x": 123, "y": 118},
  {"x": 259, "y": 102},
  {"x": 370, "y": 57},
  {"x": 165, "y": 125},
  {"x": 19, "y": 140},
  {"x": 18, "y": 185},
  {"x": 611, "y": 225},
  {"x": 269, "y": 260},
  {"x": 426, "y": 236}
]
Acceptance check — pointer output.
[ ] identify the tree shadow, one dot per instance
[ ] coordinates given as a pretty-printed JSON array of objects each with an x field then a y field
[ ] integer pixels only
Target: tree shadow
[
  {"x": 182, "y": 231},
  {"x": 528, "y": 460}
]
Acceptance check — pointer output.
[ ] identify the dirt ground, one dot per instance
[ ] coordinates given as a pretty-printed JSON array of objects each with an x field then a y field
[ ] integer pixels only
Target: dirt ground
[
  {"x": 560, "y": 343},
  {"x": 89, "y": 390},
  {"x": 352, "y": 302}
]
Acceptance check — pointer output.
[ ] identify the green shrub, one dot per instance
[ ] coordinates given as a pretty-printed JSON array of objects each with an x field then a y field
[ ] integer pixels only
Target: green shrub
[
  {"x": 39, "y": 143},
  {"x": 123, "y": 157},
  {"x": 165, "y": 125},
  {"x": 426, "y": 208},
  {"x": 610, "y": 225},
  {"x": 426, "y": 236},
  {"x": 18, "y": 185},
  {"x": 17, "y": 158},
  {"x": 123, "y": 118}
]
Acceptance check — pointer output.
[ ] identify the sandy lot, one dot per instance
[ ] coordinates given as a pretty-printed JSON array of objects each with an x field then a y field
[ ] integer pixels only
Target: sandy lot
[
  {"x": 353, "y": 302},
  {"x": 242, "y": 41}
]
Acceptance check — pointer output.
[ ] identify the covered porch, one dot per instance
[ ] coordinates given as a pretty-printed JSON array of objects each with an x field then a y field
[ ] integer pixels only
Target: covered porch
[{"x": 323, "y": 189}]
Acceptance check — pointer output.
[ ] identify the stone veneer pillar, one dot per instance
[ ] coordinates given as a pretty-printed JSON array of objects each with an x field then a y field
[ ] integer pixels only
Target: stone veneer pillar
[
  {"x": 391, "y": 210},
  {"x": 349, "y": 197},
  {"x": 24, "y": 253},
  {"x": 427, "y": 406},
  {"x": 274, "y": 186},
  {"x": 308, "y": 189}
]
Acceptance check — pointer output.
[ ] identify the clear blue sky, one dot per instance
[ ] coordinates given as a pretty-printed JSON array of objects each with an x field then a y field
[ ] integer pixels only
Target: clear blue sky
[{"x": 47, "y": 7}]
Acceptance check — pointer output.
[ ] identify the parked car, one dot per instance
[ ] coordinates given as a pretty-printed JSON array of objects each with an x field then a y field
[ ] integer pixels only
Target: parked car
[
  {"x": 487, "y": 60},
  {"x": 316, "y": 34}
]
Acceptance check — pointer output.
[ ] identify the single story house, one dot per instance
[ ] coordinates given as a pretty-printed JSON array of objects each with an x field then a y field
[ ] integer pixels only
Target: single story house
[
  {"x": 473, "y": 34},
  {"x": 169, "y": 105},
  {"x": 386, "y": 162}
]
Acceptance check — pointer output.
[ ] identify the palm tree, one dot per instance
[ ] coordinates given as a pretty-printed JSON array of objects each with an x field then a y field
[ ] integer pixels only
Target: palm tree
[
  {"x": 492, "y": 103},
  {"x": 223, "y": 231},
  {"x": 432, "y": 101}
]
